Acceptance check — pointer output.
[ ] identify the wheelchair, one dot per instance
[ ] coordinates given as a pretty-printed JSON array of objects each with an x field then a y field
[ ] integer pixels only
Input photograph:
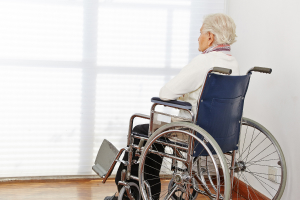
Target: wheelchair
[{"x": 216, "y": 154}]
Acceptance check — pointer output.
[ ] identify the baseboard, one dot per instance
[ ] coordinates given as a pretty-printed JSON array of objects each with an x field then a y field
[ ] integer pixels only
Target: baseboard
[
  {"x": 243, "y": 190},
  {"x": 62, "y": 178},
  {"x": 50, "y": 178}
]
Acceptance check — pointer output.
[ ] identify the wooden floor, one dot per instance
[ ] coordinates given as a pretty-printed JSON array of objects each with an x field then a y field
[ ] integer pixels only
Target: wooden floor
[{"x": 60, "y": 190}]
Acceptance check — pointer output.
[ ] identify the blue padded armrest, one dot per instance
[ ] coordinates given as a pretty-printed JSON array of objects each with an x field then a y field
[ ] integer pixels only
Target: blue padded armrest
[{"x": 173, "y": 103}]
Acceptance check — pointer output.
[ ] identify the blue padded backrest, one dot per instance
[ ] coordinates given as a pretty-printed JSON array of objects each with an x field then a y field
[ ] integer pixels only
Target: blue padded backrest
[{"x": 220, "y": 110}]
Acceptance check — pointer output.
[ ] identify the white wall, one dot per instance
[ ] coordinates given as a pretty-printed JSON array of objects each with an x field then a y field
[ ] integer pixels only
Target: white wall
[{"x": 269, "y": 36}]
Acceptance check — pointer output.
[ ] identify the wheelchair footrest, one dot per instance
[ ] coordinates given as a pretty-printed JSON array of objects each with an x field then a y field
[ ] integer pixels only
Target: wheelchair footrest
[{"x": 105, "y": 157}]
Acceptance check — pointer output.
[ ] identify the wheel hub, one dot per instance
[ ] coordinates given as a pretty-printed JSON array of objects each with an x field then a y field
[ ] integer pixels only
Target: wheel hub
[
  {"x": 181, "y": 178},
  {"x": 177, "y": 178},
  {"x": 240, "y": 166}
]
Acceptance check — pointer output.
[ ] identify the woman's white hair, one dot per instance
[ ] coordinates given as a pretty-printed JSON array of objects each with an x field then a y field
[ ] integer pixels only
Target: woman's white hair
[{"x": 222, "y": 26}]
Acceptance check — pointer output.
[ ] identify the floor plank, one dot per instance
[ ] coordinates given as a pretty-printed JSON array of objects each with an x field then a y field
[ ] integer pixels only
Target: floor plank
[
  {"x": 56, "y": 190},
  {"x": 60, "y": 190}
]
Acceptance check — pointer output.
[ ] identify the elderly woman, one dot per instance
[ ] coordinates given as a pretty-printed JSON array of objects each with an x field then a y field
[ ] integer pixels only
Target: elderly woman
[{"x": 216, "y": 35}]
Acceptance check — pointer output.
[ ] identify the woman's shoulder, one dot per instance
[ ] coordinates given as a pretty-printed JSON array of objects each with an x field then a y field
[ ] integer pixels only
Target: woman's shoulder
[
  {"x": 209, "y": 60},
  {"x": 199, "y": 59},
  {"x": 225, "y": 60}
]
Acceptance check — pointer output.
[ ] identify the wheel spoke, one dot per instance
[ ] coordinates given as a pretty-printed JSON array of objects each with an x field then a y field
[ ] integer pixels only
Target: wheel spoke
[
  {"x": 244, "y": 141},
  {"x": 252, "y": 140},
  {"x": 265, "y": 156}
]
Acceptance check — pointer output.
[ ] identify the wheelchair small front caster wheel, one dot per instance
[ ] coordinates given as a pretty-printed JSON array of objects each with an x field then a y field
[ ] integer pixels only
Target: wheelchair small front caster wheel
[{"x": 134, "y": 191}]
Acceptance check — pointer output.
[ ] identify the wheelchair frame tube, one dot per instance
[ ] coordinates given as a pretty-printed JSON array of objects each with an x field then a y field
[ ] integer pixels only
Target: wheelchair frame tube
[
  {"x": 128, "y": 173},
  {"x": 233, "y": 157},
  {"x": 131, "y": 123},
  {"x": 190, "y": 163}
]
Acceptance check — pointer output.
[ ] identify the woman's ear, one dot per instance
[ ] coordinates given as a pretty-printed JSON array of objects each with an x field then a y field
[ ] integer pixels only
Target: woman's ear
[{"x": 211, "y": 38}]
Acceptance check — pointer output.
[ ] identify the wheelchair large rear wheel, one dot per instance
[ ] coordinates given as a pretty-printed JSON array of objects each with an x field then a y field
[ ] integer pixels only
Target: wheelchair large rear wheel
[
  {"x": 259, "y": 168},
  {"x": 178, "y": 171}
]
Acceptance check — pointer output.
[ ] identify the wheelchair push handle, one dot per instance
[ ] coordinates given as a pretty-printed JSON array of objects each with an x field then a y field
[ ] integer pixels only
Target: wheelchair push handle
[
  {"x": 222, "y": 70},
  {"x": 261, "y": 70}
]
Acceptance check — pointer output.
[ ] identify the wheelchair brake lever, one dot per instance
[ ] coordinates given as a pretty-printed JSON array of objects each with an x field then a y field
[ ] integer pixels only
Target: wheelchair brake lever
[
  {"x": 125, "y": 163},
  {"x": 141, "y": 144}
]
